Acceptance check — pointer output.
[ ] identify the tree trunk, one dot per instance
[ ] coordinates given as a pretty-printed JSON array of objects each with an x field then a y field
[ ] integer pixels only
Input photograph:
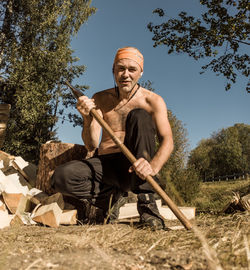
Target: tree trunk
[
  {"x": 4, "y": 116},
  {"x": 52, "y": 155},
  {"x": 6, "y": 27}
]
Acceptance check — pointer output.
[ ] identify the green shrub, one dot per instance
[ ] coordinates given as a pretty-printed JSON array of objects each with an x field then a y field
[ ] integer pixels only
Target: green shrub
[{"x": 184, "y": 185}]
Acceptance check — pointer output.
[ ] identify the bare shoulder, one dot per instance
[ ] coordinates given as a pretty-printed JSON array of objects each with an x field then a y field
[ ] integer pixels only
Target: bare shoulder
[
  {"x": 104, "y": 93},
  {"x": 154, "y": 100},
  {"x": 103, "y": 97}
]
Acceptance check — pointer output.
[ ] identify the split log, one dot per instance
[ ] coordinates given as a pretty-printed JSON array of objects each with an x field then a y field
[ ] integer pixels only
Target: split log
[
  {"x": 6, "y": 159},
  {"x": 5, "y": 219},
  {"x": 2, "y": 204},
  {"x": 39, "y": 197},
  {"x": 57, "y": 197},
  {"x": 16, "y": 221},
  {"x": 12, "y": 201},
  {"x": 129, "y": 210},
  {"x": 26, "y": 169},
  {"x": 68, "y": 217},
  {"x": 44, "y": 199},
  {"x": 166, "y": 212},
  {"x": 24, "y": 205},
  {"x": 13, "y": 183},
  {"x": 49, "y": 215},
  {"x": 52, "y": 155}
]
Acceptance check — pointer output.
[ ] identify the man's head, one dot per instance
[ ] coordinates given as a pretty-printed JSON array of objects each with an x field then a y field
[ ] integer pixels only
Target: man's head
[
  {"x": 129, "y": 53},
  {"x": 127, "y": 68}
]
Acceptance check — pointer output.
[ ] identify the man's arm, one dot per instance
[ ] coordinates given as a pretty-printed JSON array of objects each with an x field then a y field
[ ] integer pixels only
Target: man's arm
[
  {"x": 91, "y": 128},
  {"x": 166, "y": 147},
  {"x": 142, "y": 167}
]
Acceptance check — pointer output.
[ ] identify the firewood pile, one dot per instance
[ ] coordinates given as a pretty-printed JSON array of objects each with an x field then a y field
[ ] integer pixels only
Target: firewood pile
[{"x": 22, "y": 203}]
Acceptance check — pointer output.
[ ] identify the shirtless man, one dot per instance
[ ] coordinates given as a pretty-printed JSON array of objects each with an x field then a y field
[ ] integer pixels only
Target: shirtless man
[{"x": 136, "y": 115}]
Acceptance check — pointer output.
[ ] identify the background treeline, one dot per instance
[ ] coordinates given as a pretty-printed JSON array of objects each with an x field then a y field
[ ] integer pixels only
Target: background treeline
[{"x": 226, "y": 152}]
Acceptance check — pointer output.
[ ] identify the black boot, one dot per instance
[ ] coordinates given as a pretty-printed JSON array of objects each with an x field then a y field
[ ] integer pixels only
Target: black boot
[
  {"x": 113, "y": 213},
  {"x": 87, "y": 213},
  {"x": 149, "y": 213},
  {"x": 93, "y": 214}
]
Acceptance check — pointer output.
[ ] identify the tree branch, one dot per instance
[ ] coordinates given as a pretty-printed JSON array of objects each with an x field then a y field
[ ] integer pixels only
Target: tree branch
[{"x": 240, "y": 41}]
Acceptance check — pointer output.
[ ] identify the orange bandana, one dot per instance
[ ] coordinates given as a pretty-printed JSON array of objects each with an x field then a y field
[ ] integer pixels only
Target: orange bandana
[{"x": 130, "y": 53}]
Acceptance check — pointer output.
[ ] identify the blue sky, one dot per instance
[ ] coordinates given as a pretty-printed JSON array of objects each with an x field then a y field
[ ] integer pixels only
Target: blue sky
[{"x": 199, "y": 101}]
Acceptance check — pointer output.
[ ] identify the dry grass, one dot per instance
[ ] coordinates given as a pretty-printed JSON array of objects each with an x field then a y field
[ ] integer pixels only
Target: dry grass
[
  {"x": 123, "y": 246},
  {"x": 214, "y": 196}
]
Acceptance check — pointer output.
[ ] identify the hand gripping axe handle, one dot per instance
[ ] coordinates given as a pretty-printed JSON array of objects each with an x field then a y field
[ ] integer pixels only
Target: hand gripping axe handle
[{"x": 186, "y": 223}]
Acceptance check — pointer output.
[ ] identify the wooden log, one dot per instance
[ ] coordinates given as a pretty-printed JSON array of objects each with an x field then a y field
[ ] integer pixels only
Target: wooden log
[
  {"x": 52, "y": 155},
  {"x": 49, "y": 215},
  {"x": 13, "y": 182},
  {"x": 44, "y": 199},
  {"x": 38, "y": 198},
  {"x": 57, "y": 197},
  {"x": 24, "y": 205},
  {"x": 26, "y": 169},
  {"x": 16, "y": 221},
  {"x": 6, "y": 159},
  {"x": 68, "y": 217},
  {"x": 4, "y": 116},
  {"x": 2, "y": 204},
  {"x": 129, "y": 210},
  {"x": 166, "y": 212},
  {"x": 12, "y": 200},
  {"x": 5, "y": 219}
]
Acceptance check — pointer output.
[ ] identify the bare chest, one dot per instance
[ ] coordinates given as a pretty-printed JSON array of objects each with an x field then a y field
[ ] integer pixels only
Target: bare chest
[{"x": 116, "y": 117}]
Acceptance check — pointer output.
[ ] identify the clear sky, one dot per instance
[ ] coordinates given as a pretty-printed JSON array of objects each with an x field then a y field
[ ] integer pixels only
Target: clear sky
[{"x": 199, "y": 101}]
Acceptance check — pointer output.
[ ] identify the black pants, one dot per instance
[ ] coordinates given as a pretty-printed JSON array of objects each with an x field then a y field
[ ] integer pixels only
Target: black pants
[{"x": 99, "y": 177}]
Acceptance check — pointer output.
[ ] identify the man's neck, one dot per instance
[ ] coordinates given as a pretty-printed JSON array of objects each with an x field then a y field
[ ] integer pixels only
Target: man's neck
[{"x": 127, "y": 95}]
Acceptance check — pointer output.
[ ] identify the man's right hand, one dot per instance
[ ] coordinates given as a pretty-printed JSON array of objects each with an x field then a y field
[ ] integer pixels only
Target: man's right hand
[{"x": 85, "y": 105}]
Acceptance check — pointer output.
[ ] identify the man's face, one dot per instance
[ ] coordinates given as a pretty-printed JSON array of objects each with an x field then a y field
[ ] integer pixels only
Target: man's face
[{"x": 127, "y": 73}]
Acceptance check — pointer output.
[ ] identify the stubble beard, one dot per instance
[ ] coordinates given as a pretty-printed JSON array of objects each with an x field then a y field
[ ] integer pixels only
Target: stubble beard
[{"x": 127, "y": 89}]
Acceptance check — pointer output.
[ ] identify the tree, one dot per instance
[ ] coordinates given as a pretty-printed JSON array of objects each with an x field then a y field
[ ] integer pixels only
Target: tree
[
  {"x": 148, "y": 85},
  {"x": 200, "y": 158},
  {"x": 221, "y": 34},
  {"x": 227, "y": 152},
  {"x": 36, "y": 59}
]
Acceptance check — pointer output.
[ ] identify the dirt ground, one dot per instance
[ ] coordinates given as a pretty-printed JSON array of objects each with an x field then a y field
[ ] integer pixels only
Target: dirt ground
[{"x": 124, "y": 246}]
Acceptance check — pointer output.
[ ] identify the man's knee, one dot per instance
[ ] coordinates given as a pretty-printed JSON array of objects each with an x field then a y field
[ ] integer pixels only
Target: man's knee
[
  {"x": 63, "y": 174},
  {"x": 140, "y": 119},
  {"x": 139, "y": 114}
]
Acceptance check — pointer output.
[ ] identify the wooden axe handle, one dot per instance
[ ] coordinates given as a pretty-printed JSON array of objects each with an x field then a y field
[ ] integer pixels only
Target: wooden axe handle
[{"x": 186, "y": 223}]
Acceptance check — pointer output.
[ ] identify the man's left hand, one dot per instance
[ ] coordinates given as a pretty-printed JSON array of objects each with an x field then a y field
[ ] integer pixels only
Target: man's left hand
[{"x": 142, "y": 168}]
